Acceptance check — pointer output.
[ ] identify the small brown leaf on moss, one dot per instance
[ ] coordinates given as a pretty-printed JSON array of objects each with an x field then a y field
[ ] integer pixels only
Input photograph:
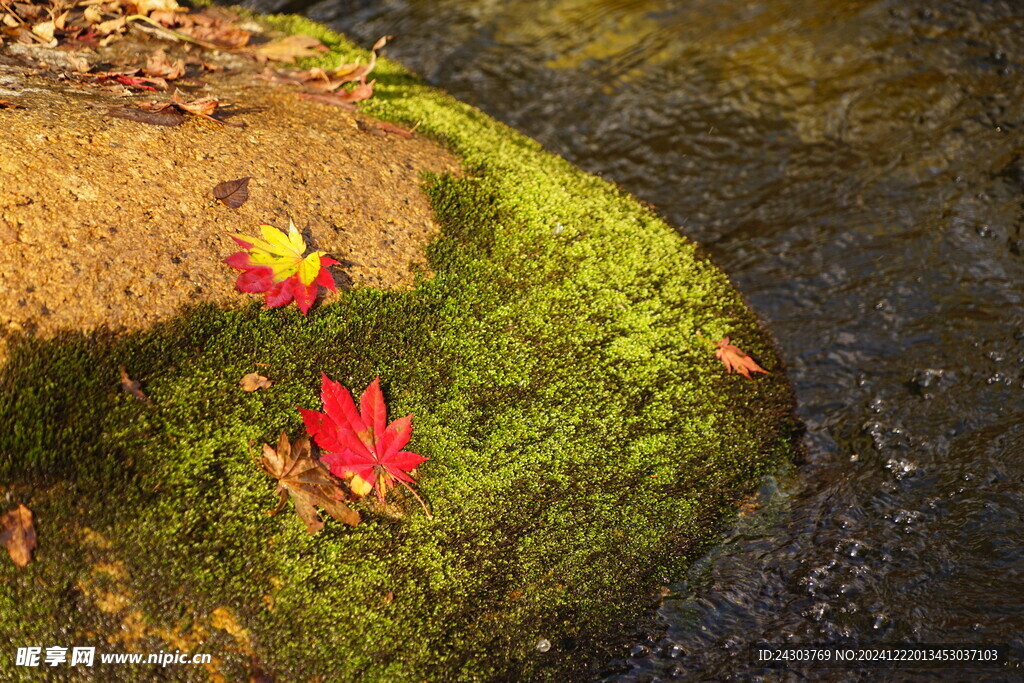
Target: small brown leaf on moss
[
  {"x": 131, "y": 386},
  {"x": 253, "y": 381},
  {"x": 307, "y": 482},
  {"x": 736, "y": 360},
  {"x": 18, "y": 535},
  {"x": 232, "y": 193}
]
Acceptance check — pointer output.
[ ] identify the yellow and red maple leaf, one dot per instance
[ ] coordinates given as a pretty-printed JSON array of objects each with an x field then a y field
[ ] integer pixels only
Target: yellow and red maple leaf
[{"x": 276, "y": 265}]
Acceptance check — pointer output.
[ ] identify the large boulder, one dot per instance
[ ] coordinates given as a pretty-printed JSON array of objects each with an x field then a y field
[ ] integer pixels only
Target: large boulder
[{"x": 557, "y": 353}]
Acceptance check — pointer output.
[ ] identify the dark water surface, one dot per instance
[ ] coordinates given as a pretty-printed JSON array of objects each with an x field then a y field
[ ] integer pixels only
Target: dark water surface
[{"x": 858, "y": 168}]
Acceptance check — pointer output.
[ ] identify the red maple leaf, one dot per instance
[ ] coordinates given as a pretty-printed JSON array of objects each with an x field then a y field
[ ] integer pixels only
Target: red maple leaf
[
  {"x": 278, "y": 267},
  {"x": 360, "y": 443}
]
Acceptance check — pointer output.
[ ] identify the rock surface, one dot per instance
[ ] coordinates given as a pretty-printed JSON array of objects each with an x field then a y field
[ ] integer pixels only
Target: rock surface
[{"x": 106, "y": 222}]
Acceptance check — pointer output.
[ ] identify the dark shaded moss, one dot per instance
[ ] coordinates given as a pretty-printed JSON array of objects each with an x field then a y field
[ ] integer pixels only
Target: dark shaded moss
[{"x": 584, "y": 443}]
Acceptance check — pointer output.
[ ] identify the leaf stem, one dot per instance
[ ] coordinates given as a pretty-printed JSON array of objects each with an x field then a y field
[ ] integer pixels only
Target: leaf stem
[{"x": 413, "y": 492}]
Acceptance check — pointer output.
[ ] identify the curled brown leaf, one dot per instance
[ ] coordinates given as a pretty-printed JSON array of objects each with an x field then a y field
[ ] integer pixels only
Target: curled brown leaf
[
  {"x": 254, "y": 381},
  {"x": 160, "y": 66},
  {"x": 232, "y": 193},
  {"x": 132, "y": 386},
  {"x": 18, "y": 535}
]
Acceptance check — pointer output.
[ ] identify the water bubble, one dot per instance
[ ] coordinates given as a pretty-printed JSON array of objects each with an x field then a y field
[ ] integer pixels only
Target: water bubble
[
  {"x": 880, "y": 621},
  {"x": 543, "y": 645},
  {"x": 638, "y": 651},
  {"x": 817, "y": 611},
  {"x": 984, "y": 231},
  {"x": 900, "y": 467},
  {"x": 850, "y": 547},
  {"x": 906, "y": 516},
  {"x": 927, "y": 377},
  {"x": 876, "y": 405},
  {"x": 675, "y": 651}
]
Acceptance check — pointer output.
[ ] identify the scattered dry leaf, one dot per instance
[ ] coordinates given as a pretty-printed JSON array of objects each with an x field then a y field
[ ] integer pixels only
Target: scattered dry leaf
[
  {"x": 357, "y": 71},
  {"x": 307, "y": 482},
  {"x": 222, "y": 35},
  {"x": 203, "y": 107},
  {"x": 289, "y": 48},
  {"x": 79, "y": 64},
  {"x": 129, "y": 79},
  {"x": 165, "y": 117},
  {"x": 28, "y": 11},
  {"x": 736, "y": 360},
  {"x": 147, "y": 6},
  {"x": 7, "y": 104},
  {"x": 131, "y": 386},
  {"x": 92, "y": 15},
  {"x": 344, "y": 99},
  {"x": 44, "y": 30},
  {"x": 232, "y": 193},
  {"x": 18, "y": 535},
  {"x": 386, "y": 127},
  {"x": 159, "y": 65},
  {"x": 273, "y": 76},
  {"x": 254, "y": 381},
  {"x": 105, "y": 28},
  {"x": 370, "y": 128}
]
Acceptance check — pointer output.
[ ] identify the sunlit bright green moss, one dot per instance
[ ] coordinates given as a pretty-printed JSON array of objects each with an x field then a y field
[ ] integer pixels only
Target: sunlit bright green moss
[{"x": 584, "y": 443}]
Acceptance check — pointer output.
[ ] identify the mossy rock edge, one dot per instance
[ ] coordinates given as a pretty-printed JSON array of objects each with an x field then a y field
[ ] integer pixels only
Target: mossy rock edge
[{"x": 584, "y": 444}]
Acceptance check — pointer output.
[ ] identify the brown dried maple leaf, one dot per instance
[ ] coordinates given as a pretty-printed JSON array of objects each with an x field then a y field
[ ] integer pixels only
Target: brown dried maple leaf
[
  {"x": 18, "y": 535},
  {"x": 308, "y": 483},
  {"x": 736, "y": 360}
]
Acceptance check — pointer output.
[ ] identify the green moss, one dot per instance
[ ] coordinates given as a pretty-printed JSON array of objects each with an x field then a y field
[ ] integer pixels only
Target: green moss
[{"x": 584, "y": 441}]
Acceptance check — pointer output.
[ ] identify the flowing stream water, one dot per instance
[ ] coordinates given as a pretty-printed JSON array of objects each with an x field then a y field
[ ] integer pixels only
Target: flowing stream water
[{"x": 857, "y": 168}]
